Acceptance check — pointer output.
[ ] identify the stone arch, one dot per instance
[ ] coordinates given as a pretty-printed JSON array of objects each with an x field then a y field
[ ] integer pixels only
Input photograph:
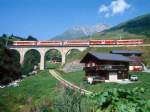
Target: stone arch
[
  {"x": 16, "y": 54},
  {"x": 21, "y": 53},
  {"x": 77, "y": 49},
  {"x": 32, "y": 58},
  {"x": 54, "y": 59},
  {"x": 27, "y": 50},
  {"x": 69, "y": 52}
]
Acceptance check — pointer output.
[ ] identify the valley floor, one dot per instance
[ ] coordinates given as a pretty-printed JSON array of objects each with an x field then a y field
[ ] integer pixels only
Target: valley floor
[{"x": 41, "y": 88}]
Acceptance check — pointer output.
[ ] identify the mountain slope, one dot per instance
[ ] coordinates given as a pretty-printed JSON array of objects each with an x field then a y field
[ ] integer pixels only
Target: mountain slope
[
  {"x": 138, "y": 27},
  {"x": 80, "y": 31}
]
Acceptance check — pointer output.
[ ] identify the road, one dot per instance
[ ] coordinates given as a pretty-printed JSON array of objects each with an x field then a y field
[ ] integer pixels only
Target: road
[{"x": 64, "y": 82}]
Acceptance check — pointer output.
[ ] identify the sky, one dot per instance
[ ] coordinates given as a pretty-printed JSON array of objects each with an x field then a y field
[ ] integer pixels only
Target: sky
[{"x": 45, "y": 19}]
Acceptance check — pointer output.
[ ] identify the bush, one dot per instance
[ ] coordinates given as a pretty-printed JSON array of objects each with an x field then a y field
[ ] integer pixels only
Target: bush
[
  {"x": 121, "y": 100},
  {"x": 71, "y": 101}
]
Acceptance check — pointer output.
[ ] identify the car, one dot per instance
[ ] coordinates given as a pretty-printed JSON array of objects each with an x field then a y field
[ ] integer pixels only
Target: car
[{"x": 133, "y": 77}]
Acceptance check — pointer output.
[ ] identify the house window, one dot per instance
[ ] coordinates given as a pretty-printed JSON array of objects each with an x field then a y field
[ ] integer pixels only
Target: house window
[
  {"x": 108, "y": 67},
  {"x": 93, "y": 64},
  {"x": 87, "y": 64}
]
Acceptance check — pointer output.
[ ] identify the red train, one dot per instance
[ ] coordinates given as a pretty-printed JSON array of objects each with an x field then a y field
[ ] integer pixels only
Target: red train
[
  {"x": 103, "y": 42},
  {"x": 49, "y": 43},
  {"x": 24, "y": 43},
  {"x": 76, "y": 43},
  {"x": 130, "y": 42},
  {"x": 79, "y": 42},
  {"x": 37, "y": 43}
]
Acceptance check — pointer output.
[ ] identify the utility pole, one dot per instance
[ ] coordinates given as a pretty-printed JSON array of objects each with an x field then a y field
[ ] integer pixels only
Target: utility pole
[
  {"x": 120, "y": 37},
  {"x": 7, "y": 41}
]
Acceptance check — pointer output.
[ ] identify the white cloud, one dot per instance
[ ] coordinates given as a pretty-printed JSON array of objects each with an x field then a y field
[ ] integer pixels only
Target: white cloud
[
  {"x": 103, "y": 8},
  {"x": 119, "y": 6},
  {"x": 115, "y": 7}
]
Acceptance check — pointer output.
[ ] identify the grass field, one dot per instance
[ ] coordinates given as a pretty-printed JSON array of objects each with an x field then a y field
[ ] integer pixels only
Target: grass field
[
  {"x": 41, "y": 88},
  {"x": 33, "y": 90},
  {"x": 77, "y": 78},
  {"x": 49, "y": 65}
]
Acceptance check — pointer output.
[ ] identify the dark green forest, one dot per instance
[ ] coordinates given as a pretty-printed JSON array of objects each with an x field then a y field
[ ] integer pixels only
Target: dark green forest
[{"x": 10, "y": 68}]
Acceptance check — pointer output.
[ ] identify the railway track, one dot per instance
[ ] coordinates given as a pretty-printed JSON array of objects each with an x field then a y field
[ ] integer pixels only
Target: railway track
[
  {"x": 138, "y": 45},
  {"x": 66, "y": 83}
]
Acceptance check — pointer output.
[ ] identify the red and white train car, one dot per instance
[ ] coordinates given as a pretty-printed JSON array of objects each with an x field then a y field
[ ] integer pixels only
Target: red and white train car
[
  {"x": 49, "y": 43},
  {"x": 24, "y": 43},
  {"x": 130, "y": 42},
  {"x": 102, "y": 42},
  {"x": 76, "y": 43}
]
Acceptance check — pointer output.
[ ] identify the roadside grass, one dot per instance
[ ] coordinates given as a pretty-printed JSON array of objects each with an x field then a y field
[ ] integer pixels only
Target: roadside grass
[
  {"x": 143, "y": 82},
  {"x": 32, "y": 91},
  {"x": 74, "y": 77}
]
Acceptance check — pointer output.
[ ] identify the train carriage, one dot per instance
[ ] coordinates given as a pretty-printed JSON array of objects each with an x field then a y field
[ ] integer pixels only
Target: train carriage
[
  {"x": 130, "y": 42},
  {"x": 102, "y": 42},
  {"x": 49, "y": 43},
  {"x": 76, "y": 43},
  {"x": 24, "y": 43}
]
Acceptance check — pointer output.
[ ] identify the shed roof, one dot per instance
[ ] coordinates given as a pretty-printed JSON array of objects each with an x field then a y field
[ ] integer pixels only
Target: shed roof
[
  {"x": 127, "y": 52},
  {"x": 136, "y": 59},
  {"x": 106, "y": 57}
]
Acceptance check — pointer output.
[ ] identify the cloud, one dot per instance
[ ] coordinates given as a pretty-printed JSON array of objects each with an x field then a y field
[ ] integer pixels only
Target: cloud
[
  {"x": 119, "y": 6},
  {"x": 103, "y": 8},
  {"x": 115, "y": 7}
]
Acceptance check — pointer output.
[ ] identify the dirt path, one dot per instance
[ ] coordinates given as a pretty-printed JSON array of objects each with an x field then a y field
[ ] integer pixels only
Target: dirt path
[{"x": 67, "y": 83}]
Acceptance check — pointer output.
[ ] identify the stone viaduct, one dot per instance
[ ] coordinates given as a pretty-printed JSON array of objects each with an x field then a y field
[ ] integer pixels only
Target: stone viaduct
[
  {"x": 22, "y": 50},
  {"x": 43, "y": 50}
]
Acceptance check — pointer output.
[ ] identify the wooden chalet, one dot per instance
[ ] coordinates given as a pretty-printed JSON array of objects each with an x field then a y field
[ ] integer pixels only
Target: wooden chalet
[
  {"x": 106, "y": 66},
  {"x": 135, "y": 55}
]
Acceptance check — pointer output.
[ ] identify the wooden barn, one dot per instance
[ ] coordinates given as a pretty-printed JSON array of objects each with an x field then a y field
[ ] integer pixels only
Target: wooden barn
[
  {"x": 105, "y": 67},
  {"x": 135, "y": 55}
]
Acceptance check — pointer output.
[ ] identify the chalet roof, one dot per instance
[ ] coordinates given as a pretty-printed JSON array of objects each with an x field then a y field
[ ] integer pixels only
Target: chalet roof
[
  {"x": 106, "y": 57},
  {"x": 136, "y": 59},
  {"x": 127, "y": 52}
]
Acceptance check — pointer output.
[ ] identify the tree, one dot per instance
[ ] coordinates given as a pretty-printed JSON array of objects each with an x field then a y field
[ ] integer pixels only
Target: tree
[
  {"x": 9, "y": 66},
  {"x": 31, "y": 38}
]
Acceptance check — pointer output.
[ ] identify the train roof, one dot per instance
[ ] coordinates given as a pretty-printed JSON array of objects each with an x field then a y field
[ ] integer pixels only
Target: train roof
[{"x": 24, "y": 41}]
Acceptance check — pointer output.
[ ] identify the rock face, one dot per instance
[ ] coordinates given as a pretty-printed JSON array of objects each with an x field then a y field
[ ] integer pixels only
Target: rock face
[
  {"x": 78, "y": 32},
  {"x": 73, "y": 66}
]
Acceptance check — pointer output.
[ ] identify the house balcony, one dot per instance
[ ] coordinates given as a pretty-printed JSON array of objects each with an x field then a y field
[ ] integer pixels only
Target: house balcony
[{"x": 106, "y": 67}]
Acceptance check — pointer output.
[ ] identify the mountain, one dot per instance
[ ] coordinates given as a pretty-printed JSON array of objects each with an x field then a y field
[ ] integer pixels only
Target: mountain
[
  {"x": 138, "y": 27},
  {"x": 80, "y": 31}
]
